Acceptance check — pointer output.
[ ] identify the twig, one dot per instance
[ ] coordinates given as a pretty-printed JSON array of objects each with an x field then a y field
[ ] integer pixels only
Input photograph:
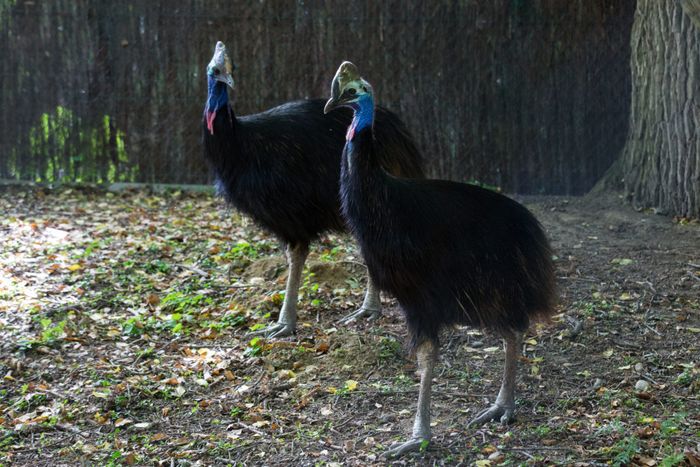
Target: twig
[
  {"x": 541, "y": 448},
  {"x": 349, "y": 261},
  {"x": 70, "y": 429},
  {"x": 194, "y": 269},
  {"x": 58, "y": 395},
  {"x": 253, "y": 429}
]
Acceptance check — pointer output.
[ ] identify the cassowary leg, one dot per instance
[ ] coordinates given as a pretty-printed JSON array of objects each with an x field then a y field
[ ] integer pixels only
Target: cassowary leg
[
  {"x": 427, "y": 356},
  {"x": 371, "y": 307},
  {"x": 504, "y": 407},
  {"x": 287, "y": 322}
]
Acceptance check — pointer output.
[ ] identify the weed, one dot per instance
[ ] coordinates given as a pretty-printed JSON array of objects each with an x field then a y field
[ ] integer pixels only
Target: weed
[
  {"x": 688, "y": 375},
  {"x": 389, "y": 348},
  {"x": 672, "y": 460},
  {"x": 671, "y": 425},
  {"x": 51, "y": 334},
  {"x": 230, "y": 320},
  {"x": 181, "y": 302},
  {"x": 614, "y": 427},
  {"x": 624, "y": 450},
  {"x": 330, "y": 255},
  {"x": 254, "y": 347},
  {"x": 157, "y": 266},
  {"x": 309, "y": 290}
]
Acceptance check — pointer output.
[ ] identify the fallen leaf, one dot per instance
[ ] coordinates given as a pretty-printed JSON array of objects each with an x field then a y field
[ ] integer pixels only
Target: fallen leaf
[
  {"x": 142, "y": 426},
  {"x": 158, "y": 437}
]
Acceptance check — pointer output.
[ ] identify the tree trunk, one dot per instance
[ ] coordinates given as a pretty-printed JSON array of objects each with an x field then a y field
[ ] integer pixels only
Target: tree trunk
[{"x": 660, "y": 165}]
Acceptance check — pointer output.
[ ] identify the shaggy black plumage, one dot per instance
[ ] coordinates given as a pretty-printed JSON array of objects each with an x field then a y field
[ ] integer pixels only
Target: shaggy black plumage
[
  {"x": 281, "y": 167},
  {"x": 451, "y": 253}
]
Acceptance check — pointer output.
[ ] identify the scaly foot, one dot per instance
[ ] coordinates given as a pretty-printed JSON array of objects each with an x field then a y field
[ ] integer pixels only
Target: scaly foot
[
  {"x": 399, "y": 449},
  {"x": 275, "y": 330},
  {"x": 503, "y": 414},
  {"x": 363, "y": 312}
]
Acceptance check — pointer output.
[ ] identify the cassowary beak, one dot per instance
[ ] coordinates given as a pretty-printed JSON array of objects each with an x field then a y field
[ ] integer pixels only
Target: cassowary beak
[
  {"x": 330, "y": 105},
  {"x": 228, "y": 79},
  {"x": 334, "y": 101}
]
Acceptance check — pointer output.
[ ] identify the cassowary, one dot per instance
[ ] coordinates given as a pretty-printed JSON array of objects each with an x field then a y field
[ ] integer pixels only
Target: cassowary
[
  {"x": 451, "y": 253},
  {"x": 282, "y": 167}
]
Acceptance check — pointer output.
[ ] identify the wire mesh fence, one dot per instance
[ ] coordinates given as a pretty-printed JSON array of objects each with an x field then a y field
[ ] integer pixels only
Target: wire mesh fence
[{"x": 529, "y": 95}]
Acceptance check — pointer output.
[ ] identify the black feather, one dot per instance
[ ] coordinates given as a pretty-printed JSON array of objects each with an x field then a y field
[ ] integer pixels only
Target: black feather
[
  {"x": 451, "y": 253},
  {"x": 282, "y": 166}
]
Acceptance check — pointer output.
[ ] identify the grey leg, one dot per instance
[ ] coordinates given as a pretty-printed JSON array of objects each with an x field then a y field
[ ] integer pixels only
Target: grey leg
[
  {"x": 427, "y": 355},
  {"x": 287, "y": 322},
  {"x": 371, "y": 307},
  {"x": 504, "y": 407}
]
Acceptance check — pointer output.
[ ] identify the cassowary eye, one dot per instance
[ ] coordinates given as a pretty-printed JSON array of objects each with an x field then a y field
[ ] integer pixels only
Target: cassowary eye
[
  {"x": 352, "y": 91},
  {"x": 216, "y": 71}
]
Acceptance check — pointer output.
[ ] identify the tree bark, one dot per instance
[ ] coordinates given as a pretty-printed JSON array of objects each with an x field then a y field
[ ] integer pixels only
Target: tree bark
[{"x": 660, "y": 164}]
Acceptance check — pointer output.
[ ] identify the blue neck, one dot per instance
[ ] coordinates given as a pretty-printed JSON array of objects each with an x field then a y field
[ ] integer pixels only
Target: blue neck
[
  {"x": 364, "y": 115},
  {"x": 218, "y": 95}
]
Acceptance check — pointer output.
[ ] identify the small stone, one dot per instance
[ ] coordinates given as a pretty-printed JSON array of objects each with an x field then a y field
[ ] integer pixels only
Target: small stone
[
  {"x": 496, "y": 456},
  {"x": 369, "y": 442},
  {"x": 597, "y": 383},
  {"x": 476, "y": 344},
  {"x": 641, "y": 386},
  {"x": 639, "y": 367}
]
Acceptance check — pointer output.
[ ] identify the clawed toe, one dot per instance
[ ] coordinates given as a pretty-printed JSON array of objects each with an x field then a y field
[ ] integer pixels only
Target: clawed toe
[
  {"x": 496, "y": 412},
  {"x": 364, "y": 312},
  {"x": 413, "y": 444},
  {"x": 275, "y": 330}
]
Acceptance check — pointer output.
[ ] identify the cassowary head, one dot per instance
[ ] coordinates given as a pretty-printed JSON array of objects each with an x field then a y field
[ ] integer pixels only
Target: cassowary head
[
  {"x": 348, "y": 88},
  {"x": 220, "y": 67},
  {"x": 218, "y": 77}
]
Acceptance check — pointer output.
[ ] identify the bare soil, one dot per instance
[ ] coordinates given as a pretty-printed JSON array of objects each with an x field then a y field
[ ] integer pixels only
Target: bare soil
[{"x": 123, "y": 341}]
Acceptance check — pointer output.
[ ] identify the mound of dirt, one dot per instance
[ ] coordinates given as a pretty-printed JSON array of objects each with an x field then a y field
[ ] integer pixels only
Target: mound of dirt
[
  {"x": 268, "y": 268},
  {"x": 329, "y": 275}
]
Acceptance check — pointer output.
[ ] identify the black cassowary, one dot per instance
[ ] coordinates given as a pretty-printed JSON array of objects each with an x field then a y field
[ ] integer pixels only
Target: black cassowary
[
  {"x": 451, "y": 253},
  {"x": 282, "y": 167}
]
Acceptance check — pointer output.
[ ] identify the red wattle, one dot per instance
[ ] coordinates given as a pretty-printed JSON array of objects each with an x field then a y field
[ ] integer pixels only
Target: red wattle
[
  {"x": 350, "y": 134},
  {"x": 210, "y": 121}
]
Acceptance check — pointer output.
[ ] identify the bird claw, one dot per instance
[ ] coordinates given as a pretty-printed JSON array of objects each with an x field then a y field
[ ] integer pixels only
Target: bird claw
[
  {"x": 275, "y": 330},
  {"x": 503, "y": 414},
  {"x": 363, "y": 312},
  {"x": 413, "y": 444}
]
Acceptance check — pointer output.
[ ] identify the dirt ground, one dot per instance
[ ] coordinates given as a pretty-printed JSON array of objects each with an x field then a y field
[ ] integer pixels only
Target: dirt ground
[{"x": 123, "y": 341}]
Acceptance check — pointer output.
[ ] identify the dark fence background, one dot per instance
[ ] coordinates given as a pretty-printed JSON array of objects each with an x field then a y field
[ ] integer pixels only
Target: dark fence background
[{"x": 529, "y": 95}]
